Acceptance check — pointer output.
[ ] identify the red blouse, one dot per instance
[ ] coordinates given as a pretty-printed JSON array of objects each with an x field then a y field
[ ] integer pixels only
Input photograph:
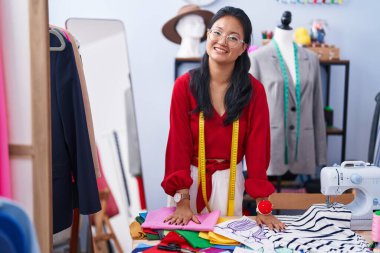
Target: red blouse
[{"x": 182, "y": 146}]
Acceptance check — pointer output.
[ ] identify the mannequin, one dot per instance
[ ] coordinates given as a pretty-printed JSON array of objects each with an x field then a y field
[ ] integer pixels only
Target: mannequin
[
  {"x": 298, "y": 130},
  {"x": 283, "y": 34},
  {"x": 191, "y": 28}
]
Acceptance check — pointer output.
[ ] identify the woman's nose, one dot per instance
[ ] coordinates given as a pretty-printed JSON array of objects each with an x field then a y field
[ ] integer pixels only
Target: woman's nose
[{"x": 222, "y": 40}]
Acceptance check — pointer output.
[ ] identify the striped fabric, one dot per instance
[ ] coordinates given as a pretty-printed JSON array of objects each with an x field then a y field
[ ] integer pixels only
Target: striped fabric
[{"x": 319, "y": 229}]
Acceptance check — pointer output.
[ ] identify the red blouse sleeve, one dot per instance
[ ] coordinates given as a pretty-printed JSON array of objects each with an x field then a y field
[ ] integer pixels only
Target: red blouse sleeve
[
  {"x": 179, "y": 149},
  {"x": 257, "y": 153}
]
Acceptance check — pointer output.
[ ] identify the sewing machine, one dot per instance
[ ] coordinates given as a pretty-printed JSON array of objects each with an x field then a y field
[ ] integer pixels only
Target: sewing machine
[{"x": 362, "y": 177}]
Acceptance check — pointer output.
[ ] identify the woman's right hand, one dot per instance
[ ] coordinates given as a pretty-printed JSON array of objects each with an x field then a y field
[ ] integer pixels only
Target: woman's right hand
[{"x": 182, "y": 214}]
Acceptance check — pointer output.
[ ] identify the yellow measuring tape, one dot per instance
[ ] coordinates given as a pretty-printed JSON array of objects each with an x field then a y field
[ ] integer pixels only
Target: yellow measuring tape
[{"x": 233, "y": 162}]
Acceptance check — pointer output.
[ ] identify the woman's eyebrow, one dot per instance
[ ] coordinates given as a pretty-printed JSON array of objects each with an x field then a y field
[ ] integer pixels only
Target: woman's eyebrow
[{"x": 220, "y": 28}]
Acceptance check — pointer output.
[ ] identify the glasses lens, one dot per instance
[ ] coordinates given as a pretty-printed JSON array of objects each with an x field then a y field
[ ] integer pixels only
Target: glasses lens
[
  {"x": 215, "y": 34},
  {"x": 232, "y": 40}
]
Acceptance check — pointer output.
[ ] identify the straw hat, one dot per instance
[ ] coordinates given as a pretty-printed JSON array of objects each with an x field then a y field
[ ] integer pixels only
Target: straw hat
[{"x": 169, "y": 30}]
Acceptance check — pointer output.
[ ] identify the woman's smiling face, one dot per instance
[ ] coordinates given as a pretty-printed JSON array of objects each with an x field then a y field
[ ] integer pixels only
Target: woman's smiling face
[{"x": 219, "y": 49}]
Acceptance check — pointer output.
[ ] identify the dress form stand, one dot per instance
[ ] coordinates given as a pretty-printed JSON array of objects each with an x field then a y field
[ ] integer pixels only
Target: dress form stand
[
  {"x": 191, "y": 28},
  {"x": 283, "y": 35}
]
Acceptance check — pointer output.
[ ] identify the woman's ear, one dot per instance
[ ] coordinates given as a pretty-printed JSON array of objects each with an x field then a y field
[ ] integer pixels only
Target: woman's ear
[{"x": 245, "y": 46}]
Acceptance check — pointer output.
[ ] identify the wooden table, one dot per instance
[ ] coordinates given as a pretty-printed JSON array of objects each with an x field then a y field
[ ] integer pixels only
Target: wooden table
[{"x": 366, "y": 235}]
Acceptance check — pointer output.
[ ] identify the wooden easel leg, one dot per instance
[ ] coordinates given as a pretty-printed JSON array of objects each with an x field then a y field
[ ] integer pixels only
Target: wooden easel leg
[{"x": 74, "y": 232}]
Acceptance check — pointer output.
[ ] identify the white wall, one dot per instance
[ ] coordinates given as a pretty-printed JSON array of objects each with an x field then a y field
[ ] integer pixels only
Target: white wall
[{"x": 353, "y": 27}]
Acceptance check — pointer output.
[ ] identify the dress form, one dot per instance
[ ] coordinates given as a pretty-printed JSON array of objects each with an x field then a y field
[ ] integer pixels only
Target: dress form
[
  {"x": 191, "y": 28},
  {"x": 283, "y": 35}
]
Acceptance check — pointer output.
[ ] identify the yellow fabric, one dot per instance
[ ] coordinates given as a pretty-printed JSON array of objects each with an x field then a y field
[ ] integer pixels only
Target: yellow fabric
[
  {"x": 136, "y": 231},
  {"x": 204, "y": 235},
  {"x": 222, "y": 240},
  {"x": 218, "y": 239}
]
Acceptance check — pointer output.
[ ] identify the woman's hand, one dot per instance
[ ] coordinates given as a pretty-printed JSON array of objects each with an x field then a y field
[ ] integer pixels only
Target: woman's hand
[
  {"x": 182, "y": 214},
  {"x": 271, "y": 221}
]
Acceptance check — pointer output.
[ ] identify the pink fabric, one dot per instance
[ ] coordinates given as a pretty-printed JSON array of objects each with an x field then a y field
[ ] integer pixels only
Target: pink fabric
[
  {"x": 5, "y": 175},
  {"x": 112, "y": 208},
  {"x": 155, "y": 220}
]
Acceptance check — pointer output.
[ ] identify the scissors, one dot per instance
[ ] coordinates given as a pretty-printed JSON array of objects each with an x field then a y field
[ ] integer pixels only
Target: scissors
[{"x": 174, "y": 247}]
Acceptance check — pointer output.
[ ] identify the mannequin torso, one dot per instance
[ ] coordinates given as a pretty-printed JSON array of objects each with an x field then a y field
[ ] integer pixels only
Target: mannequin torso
[
  {"x": 191, "y": 28},
  {"x": 284, "y": 39}
]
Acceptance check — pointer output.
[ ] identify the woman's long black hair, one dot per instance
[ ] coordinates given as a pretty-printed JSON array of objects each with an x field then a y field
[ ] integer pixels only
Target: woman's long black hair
[{"x": 240, "y": 89}]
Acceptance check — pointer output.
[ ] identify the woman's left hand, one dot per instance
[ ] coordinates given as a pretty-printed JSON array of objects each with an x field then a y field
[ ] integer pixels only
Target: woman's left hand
[{"x": 271, "y": 221}]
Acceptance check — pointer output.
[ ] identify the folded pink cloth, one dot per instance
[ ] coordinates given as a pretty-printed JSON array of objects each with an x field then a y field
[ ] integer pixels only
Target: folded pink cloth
[{"x": 155, "y": 220}]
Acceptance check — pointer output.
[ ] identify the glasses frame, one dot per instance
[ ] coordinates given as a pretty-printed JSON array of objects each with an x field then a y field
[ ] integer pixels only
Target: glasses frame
[{"x": 225, "y": 36}]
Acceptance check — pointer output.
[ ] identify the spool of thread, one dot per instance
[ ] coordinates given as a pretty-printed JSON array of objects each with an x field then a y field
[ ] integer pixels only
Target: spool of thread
[{"x": 376, "y": 227}]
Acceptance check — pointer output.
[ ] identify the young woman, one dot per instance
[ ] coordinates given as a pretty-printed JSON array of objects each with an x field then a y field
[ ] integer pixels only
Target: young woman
[{"x": 219, "y": 114}]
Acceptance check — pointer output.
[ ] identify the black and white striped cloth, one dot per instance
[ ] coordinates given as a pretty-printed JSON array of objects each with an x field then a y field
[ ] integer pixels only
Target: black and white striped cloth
[{"x": 319, "y": 229}]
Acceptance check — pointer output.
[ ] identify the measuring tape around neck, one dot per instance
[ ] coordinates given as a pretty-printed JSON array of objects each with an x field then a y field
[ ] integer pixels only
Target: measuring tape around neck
[
  {"x": 286, "y": 98},
  {"x": 233, "y": 162}
]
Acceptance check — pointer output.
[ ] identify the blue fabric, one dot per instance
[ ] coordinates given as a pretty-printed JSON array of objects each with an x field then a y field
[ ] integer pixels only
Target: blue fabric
[
  {"x": 12, "y": 231},
  {"x": 17, "y": 233},
  {"x": 141, "y": 247},
  {"x": 6, "y": 243},
  {"x": 143, "y": 215},
  {"x": 229, "y": 247},
  {"x": 71, "y": 150}
]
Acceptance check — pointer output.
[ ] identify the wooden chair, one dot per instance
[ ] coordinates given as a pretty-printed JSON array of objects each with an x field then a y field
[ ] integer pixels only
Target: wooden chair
[{"x": 104, "y": 230}]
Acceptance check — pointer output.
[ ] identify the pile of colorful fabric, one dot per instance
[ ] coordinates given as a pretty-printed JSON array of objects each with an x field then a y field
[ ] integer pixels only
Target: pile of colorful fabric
[{"x": 319, "y": 229}]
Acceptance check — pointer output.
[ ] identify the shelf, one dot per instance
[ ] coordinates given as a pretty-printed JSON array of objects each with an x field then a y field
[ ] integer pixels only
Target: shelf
[
  {"x": 179, "y": 61},
  {"x": 327, "y": 66},
  {"x": 334, "y": 62},
  {"x": 334, "y": 131},
  {"x": 194, "y": 59}
]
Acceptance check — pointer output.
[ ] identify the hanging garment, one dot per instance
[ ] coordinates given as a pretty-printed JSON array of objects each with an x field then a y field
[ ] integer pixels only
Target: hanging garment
[
  {"x": 86, "y": 103},
  {"x": 265, "y": 66},
  {"x": 5, "y": 174},
  {"x": 319, "y": 229},
  {"x": 74, "y": 180},
  {"x": 140, "y": 184}
]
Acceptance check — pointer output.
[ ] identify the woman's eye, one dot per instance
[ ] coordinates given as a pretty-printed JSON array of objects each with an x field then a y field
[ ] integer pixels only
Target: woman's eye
[
  {"x": 233, "y": 38},
  {"x": 217, "y": 33}
]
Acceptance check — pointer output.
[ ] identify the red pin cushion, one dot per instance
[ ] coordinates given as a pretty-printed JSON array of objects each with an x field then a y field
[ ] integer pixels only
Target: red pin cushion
[{"x": 264, "y": 207}]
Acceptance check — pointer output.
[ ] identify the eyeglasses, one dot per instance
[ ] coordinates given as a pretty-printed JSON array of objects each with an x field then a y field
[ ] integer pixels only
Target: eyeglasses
[{"x": 232, "y": 39}]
